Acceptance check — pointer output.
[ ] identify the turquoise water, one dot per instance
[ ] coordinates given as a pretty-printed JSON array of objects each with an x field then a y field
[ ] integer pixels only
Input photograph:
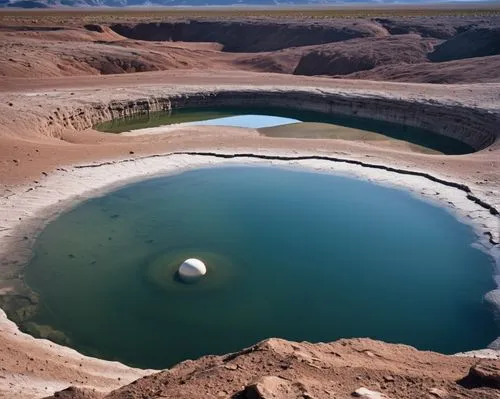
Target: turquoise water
[
  {"x": 266, "y": 117},
  {"x": 289, "y": 254}
]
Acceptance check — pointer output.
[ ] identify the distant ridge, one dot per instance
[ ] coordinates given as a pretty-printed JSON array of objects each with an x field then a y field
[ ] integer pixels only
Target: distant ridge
[{"x": 204, "y": 3}]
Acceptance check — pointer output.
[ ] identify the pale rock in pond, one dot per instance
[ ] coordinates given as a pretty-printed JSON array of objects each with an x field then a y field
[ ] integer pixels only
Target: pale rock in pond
[{"x": 191, "y": 270}]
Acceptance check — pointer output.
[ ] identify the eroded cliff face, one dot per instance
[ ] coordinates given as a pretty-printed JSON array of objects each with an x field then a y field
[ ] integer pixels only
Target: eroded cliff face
[
  {"x": 363, "y": 54},
  {"x": 252, "y": 35},
  {"x": 478, "y": 42},
  {"x": 267, "y": 34},
  {"x": 473, "y": 126}
]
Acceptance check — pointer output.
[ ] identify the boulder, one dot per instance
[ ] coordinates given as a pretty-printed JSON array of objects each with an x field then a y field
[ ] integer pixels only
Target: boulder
[
  {"x": 484, "y": 374},
  {"x": 270, "y": 387},
  {"x": 366, "y": 393}
]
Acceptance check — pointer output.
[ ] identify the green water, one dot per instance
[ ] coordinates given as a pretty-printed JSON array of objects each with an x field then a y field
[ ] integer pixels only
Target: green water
[
  {"x": 289, "y": 254},
  {"x": 421, "y": 137},
  {"x": 155, "y": 119}
]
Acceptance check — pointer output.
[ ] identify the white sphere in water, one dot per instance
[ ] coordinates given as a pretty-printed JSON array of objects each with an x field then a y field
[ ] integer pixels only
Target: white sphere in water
[{"x": 191, "y": 270}]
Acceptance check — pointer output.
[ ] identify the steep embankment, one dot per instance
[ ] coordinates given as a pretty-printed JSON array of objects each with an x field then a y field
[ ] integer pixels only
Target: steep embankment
[
  {"x": 411, "y": 57},
  {"x": 470, "y": 56},
  {"x": 436, "y": 27},
  {"x": 252, "y": 36},
  {"x": 477, "y": 42},
  {"x": 363, "y": 54},
  {"x": 480, "y": 69}
]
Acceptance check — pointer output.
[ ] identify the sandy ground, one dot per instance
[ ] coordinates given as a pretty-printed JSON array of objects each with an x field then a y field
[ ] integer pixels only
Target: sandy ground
[{"x": 39, "y": 175}]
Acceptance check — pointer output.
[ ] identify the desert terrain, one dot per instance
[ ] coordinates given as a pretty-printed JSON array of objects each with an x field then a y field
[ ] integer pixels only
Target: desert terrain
[{"x": 62, "y": 72}]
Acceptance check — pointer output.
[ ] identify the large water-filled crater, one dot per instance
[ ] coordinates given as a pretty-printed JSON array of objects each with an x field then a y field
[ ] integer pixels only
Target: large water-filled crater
[
  {"x": 279, "y": 122},
  {"x": 292, "y": 254}
]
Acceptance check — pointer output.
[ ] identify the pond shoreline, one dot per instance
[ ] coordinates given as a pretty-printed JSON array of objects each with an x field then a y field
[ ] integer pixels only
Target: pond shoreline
[
  {"x": 63, "y": 190},
  {"x": 128, "y": 242}
]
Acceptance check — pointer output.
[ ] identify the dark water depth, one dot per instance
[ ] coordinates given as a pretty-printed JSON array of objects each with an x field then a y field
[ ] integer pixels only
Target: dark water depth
[{"x": 290, "y": 254}]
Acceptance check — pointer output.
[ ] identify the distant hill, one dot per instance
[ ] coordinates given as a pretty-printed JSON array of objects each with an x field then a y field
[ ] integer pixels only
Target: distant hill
[{"x": 191, "y": 3}]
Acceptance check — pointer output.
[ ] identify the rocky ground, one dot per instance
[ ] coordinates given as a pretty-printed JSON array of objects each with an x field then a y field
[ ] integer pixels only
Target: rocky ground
[
  {"x": 279, "y": 369},
  {"x": 58, "y": 69}
]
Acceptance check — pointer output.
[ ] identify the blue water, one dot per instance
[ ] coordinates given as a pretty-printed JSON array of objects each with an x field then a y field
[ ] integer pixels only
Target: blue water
[
  {"x": 248, "y": 121},
  {"x": 290, "y": 254}
]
